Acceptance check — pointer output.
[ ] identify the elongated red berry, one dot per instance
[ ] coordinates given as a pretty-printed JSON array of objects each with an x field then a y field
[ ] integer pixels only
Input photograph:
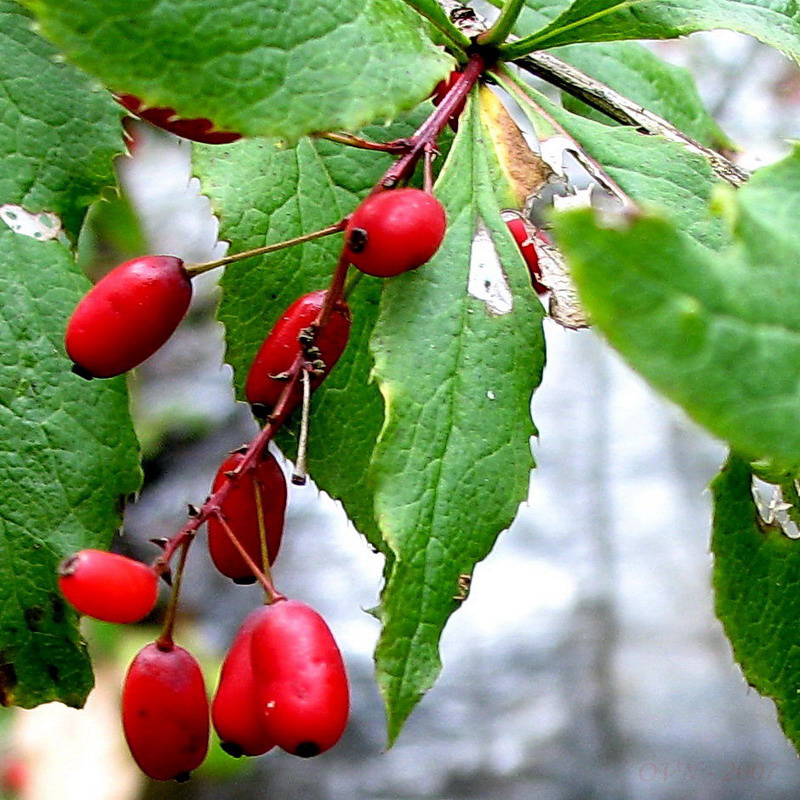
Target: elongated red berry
[
  {"x": 241, "y": 511},
  {"x": 523, "y": 235},
  {"x": 395, "y": 231},
  {"x": 235, "y": 711},
  {"x": 108, "y": 586},
  {"x": 165, "y": 712},
  {"x": 127, "y": 315},
  {"x": 199, "y": 129},
  {"x": 301, "y": 682},
  {"x": 281, "y": 347}
]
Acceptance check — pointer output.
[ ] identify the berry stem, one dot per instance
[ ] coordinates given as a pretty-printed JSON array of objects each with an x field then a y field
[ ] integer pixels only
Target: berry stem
[
  {"x": 502, "y": 26},
  {"x": 427, "y": 133},
  {"x": 300, "y": 470},
  {"x": 263, "y": 577},
  {"x": 164, "y": 641},
  {"x": 427, "y": 166},
  {"x": 397, "y": 146},
  {"x": 262, "y": 528},
  {"x": 199, "y": 269},
  {"x": 253, "y": 452},
  {"x": 334, "y": 294}
]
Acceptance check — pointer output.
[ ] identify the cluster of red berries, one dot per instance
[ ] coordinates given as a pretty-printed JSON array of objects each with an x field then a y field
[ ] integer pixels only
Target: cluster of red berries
[
  {"x": 135, "y": 308},
  {"x": 283, "y": 681}
]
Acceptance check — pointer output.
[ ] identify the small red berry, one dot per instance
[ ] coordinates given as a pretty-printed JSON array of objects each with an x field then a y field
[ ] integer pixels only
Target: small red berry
[
  {"x": 165, "y": 712},
  {"x": 199, "y": 129},
  {"x": 240, "y": 510},
  {"x": 395, "y": 231},
  {"x": 127, "y": 315},
  {"x": 522, "y": 234},
  {"x": 281, "y": 347},
  {"x": 234, "y": 711},
  {"x": 301, "y": 683},
  {"x": 108, "y": 586}
]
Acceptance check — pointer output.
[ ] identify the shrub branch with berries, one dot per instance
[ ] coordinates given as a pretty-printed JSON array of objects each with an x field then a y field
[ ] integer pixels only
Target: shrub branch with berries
[{"x": 382, "y": 289}]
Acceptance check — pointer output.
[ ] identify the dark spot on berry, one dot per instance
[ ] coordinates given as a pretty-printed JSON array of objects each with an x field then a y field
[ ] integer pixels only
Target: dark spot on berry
[
  {"x": 307, "y": 750},
  {"x": 182, "y": 777},
  {"x": 81, "y": 372},
  {"x": 260, "y": 411},
  {"x": 232, "y": 749},
  {"x": 357, "y": 240},
  {"x": 53, "y": 672},
  {"x": 245, "y": 581}
]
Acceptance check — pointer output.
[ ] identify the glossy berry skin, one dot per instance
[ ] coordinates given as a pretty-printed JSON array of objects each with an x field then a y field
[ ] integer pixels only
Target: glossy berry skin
[
  {"x": 198, "y": 129},
  {"x": 241, "y": 513},
  {"x": 234, "y": 711},
  {"x": 521, "y": 233},
  {"x": 108, "y": 586},
  {"x": 281, "y": 347},
  {"x": 301, "y": 683},
  {"x": 165, "y": 712},
  {"x": 127, "y": 315},
  {"x": 395, "y": 231}
]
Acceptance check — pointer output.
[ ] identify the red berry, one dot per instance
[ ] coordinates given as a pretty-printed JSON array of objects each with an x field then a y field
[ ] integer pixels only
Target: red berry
[
  {"x": 199, "y": 129},
  {"x": 108, "y": 586},
  {"x": 240, "y": 510},
  {"x": 522, "y": 234},
  {"x": 395, "y": 231},
  {"x": 301, "y": 682},
  {"x": 235, "y": 709},
  {"x": 281, "y": 347},
  {"x": 165, "y": 712},
  {"x": 128, "y": 315}
]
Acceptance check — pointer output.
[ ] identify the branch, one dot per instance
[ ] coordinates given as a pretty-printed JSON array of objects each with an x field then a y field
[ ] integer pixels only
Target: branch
[
  {"x": 618, "y": 107},
  {"x": 597, "y": 95}
]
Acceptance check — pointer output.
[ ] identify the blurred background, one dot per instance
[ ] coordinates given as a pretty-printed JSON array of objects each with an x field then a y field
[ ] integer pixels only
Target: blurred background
[{"x": 587, "y": 663}]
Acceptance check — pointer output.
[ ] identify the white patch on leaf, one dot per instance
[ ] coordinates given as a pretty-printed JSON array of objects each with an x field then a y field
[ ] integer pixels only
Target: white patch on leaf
[
  {"x": 42, "y": 226},
  {"x": 487, "y": 281},
  {"x": 773, "y": 508}
]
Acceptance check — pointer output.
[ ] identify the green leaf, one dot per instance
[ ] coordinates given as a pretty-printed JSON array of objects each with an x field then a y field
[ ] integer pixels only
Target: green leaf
[
  {"x": 774, "y": 22},
  {"x": 716, "y": 333},
  {"x": 67, "y": 462},
  {"x": 755, "y": 583},
  {"x": 266, "y": 68},
  {"x": 453, "y": 459},
  {"x": 432, "y": 11},
  {"x": 58, "y": 131},
  {"x": 264, "y": 193},
  {"x": 640, "y": 75},
  {"x": 649, "y": 169}
]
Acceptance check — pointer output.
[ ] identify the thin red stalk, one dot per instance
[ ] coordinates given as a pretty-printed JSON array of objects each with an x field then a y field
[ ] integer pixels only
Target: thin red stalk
[
  {"x": 283, "y": 409},
  {"x": 395, "y": 146},
  {"x": 334, "y": 293},
  {"x": 429, "y": 131},
  {"x": 164, "y": 642},
  {"x": 199, "y": 269},
  {"x": 273, "y": 595}
]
